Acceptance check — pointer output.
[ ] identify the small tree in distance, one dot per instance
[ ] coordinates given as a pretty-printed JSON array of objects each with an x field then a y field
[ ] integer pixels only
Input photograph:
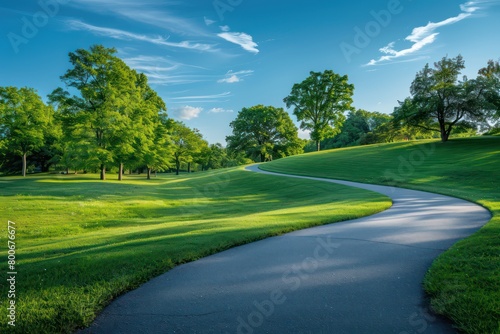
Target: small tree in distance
[
  {"x": 264, "y": 133},
  {"x": 320, "y": 102},
  {"x": 187, "y": 144}
]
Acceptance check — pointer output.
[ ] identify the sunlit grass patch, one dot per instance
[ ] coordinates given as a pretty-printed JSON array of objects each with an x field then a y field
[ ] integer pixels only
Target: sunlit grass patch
[{"x": 82, "y": 242}]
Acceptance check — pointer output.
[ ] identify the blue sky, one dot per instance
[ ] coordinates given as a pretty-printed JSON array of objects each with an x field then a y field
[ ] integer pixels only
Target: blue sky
[{"x": 209, "y": 59}]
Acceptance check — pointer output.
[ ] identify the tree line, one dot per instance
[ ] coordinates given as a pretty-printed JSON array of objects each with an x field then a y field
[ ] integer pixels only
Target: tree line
[
  {"x": 441, "y": 102},
  {"x": 109, "y": 117}
]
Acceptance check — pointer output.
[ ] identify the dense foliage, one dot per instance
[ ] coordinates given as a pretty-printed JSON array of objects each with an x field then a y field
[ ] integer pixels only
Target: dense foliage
[
  {"x": 442, "y": 101},
  {"x": 264, "y": 133},
  {"x": 113, "y": 120},
  {"x": 109, "y": 118},
  {"x": 320, "y": 102}
]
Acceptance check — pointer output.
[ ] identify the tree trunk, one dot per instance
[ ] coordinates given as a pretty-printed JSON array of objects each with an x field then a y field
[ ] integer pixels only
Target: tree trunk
[
  {"x": 149, "y": 174},
  {"x": 24, "y": 164},
  {"x": 318, "y": 145},
  {"x": 177, "y": 166},
  {"x": 120, "y": 172},
  {"x": 444, "y": 134},
  {"x": 189, "y": 167},
  {"x": 67, "y": 171},
  {"x": 103, "y": 172}
]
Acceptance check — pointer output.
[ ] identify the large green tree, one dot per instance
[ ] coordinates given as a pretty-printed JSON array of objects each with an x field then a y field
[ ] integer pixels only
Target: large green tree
[
  {"x": 117, "y": 119},
  {"x": 264, "y": 133},
  {"x": 187, "y": 144},
  {"x": 48, "y": 154},
  {"x": 441, "y": 100},
  {"x": 319, "y": 103},
  {"x": 24, "y": 121},
  {"x": 149, "y": 142},
  {"x": 490, "y": 77},
  {"x": 73, "y": 149},
  {"x": 99, "y": 116},
  {"x": 154, "y": 145}
]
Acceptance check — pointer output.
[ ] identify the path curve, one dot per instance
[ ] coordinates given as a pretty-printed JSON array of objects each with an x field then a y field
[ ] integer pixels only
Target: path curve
[{"x": 360, "y": 276}]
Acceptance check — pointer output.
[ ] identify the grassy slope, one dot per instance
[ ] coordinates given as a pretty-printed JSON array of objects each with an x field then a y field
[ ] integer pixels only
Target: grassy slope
[
  {"x": 465, "y": 168},
  {"x": 82, "y": 242}
]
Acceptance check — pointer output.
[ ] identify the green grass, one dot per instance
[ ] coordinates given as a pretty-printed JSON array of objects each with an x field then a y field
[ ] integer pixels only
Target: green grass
[
  {"x": 465, "y": 168},
  {"x": 82, "y": 242}
]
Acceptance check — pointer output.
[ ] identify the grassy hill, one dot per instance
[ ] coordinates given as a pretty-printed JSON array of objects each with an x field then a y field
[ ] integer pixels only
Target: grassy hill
[
  {"x": 81, "y": 242},
  {"x": 465, "y": 168}
]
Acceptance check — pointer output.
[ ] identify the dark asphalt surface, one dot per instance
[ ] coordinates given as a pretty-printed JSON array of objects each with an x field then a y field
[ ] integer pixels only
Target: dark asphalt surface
[{"x": 360, "y": 276}]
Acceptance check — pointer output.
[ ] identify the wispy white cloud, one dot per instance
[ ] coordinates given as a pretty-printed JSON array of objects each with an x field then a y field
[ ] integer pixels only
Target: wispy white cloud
[
  {"x": 204, "y": 97},
  {"x": 148, "y": 64},
  {"x": 125, "y": 35},
  {"x": 240, "y": 38},
  {"x": 208, "y": 21},
  {"x": 220, "y": 110},
  {"x": 215, "y": 98},
  {"x": 188, "y": 112},
  {"x": 426, "y": 35},
  {"x": 158, "y": 13},
  {"x": 412, "y": 59},
  {"x": 164, "y": 71},
  {"x": 234, "y": 77},
  {"x": 392, "y": 54},
  {"x": 231, "y": 79},
  {"x": 166, "y": 21},
  {"x": 166, "y": 80}
]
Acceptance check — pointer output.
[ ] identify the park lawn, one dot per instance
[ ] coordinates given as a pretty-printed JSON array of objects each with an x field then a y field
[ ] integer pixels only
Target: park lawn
[
  {"x": 83, "y": 242},
  {"x": 464, "y": 168}
]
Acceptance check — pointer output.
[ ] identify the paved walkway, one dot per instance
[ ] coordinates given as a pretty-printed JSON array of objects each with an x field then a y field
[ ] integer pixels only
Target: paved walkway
[{"x": 360, "y": 276}]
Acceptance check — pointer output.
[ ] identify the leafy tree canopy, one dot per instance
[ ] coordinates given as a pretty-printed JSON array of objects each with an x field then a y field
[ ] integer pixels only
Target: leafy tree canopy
[
  {"x": 490, "y": 77},
  {"x": 24, "y": 121},
  {"x": 188, "y": 144},
  {"x": 320, "y": 102},
  {"x": 115, "y": 118},
  {"x": 440, "y": 100},
  {"x": 264, "y": 133}
]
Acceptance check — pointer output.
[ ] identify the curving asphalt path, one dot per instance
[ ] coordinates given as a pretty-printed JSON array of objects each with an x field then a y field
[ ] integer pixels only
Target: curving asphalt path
[{"x": 360, "y": 276}]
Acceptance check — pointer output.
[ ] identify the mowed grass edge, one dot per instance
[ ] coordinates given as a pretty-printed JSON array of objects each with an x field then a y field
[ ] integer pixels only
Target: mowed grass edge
[
  {"x": 82, "y": 242},
  {"x": 464, "y": 282}
]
